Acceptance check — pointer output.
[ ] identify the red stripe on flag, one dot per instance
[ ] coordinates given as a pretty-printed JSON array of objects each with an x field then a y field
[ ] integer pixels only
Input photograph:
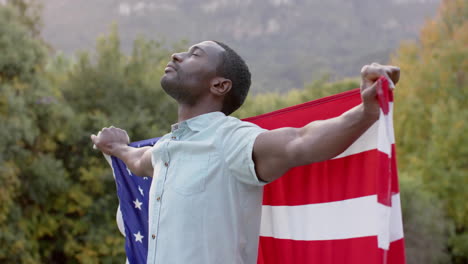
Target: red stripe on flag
[
  {"x": 325, "y": 181},
  {"x": 396, "y": 252},
  {"x": 361, "y": 250},
  {"x": 383, "y": 94},
  {"x": 305, "y": 113},
  {"x": 395, "y": 183},
  {"x": 384, "y": 181}
]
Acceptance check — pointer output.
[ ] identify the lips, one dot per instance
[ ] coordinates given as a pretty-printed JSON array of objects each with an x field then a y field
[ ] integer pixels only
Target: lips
[{"x": 170, "y": 67}]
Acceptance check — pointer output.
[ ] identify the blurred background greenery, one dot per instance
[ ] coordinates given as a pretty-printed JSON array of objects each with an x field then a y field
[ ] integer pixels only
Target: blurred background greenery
[{"x": 57, "y": 195}]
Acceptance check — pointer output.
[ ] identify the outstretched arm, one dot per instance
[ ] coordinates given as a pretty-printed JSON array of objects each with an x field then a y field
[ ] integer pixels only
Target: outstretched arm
[
  {"x": 276, "y": 151},
  {"x": 114, "y": 141}
]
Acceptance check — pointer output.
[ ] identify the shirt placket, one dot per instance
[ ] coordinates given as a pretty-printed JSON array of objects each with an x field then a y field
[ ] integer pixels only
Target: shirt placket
[{"x": 157, "y": 201}]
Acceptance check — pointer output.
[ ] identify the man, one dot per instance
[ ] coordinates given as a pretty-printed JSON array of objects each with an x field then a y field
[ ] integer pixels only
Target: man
[{"x": 205, "y": 199}]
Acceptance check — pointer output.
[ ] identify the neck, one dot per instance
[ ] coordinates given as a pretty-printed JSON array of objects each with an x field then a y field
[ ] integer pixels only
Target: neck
[{"x": 189, "y": 111}]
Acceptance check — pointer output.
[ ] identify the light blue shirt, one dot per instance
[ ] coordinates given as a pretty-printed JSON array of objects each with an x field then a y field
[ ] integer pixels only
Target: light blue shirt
[{"x": 205, "y": 198}]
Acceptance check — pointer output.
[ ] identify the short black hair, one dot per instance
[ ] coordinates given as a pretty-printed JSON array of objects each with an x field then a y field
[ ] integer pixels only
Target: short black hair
[{"x": 234, "y": 68}]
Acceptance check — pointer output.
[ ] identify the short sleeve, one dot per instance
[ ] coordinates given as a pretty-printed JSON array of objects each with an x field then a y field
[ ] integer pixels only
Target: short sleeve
[{"x": 238, "y": 138}]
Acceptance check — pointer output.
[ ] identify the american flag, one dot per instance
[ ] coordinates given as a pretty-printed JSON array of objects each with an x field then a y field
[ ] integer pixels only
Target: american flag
[
  {"x": 132, "y": 214},
  {"x": 344, "y": 210}
]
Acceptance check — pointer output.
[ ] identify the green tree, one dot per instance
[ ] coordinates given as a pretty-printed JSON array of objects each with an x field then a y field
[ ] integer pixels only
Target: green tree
[
  {"x": 57, "y": 195},
  {"x": 29, "y": 12},
  {"x": 28, "y": 168},
  {"x": 431, "y": 109},
  {"x": 102, "y": 89}
]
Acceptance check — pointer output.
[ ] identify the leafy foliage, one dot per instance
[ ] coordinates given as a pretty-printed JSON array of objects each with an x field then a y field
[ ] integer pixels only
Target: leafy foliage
[
  {"x": 432, "y": 114},
  {"x": 57, "y": 197}
]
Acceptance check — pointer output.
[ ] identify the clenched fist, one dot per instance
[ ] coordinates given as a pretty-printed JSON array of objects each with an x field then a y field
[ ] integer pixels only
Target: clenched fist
[
  {"x": 111, "y": 140},
  {"x": 369, "y": 84}
]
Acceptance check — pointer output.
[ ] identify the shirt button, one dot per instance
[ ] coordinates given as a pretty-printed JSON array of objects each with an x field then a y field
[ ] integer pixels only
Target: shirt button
[
  {"x": 166, "y": 164},
  {"x": 158, "y": 199},
  {"x": 153, "y": 236}
]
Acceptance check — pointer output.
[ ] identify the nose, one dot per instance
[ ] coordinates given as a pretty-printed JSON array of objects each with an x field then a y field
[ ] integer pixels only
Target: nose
[{"x": 177, "y": 57}]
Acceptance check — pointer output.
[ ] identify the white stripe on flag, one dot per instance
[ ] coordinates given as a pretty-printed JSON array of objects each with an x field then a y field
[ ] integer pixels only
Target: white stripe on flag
[
  {"x": 374, "y": 138},
  {"x": 352, "y": 218},
  {"x": 396, "y": 220}
]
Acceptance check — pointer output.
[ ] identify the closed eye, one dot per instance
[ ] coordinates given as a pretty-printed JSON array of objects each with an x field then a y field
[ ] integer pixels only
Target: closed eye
[{"x": 195, "y": 53}]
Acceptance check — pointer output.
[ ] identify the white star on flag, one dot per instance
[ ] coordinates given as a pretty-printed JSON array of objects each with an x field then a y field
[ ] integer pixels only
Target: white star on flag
[
  {"x": 137, "y": 204},
  {"x": 145, "y": 178},
  {"x": 141, "y": 190},
  {"x": 129, "y": 172},
  {"x": 138, "y": 237}
]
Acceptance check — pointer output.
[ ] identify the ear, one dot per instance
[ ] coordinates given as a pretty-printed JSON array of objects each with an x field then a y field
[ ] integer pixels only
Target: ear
[{"x": 220, "y": 86}]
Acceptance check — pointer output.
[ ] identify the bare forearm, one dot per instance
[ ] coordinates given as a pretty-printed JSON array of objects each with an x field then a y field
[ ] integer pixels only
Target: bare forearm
[
  {"x": 114, "y": 141},
  {"x": 135, "y": 159},
  {"x": 278, "y": 150},
  {"x": 323, "y": 140}
]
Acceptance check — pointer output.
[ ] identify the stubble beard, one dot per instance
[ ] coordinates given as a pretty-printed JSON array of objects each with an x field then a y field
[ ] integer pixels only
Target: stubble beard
[{"x": 175, "y": 89}]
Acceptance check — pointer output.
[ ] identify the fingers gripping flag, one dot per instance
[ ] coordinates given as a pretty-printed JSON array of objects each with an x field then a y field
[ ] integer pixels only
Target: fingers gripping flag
[{"x": 343, "y": 210}]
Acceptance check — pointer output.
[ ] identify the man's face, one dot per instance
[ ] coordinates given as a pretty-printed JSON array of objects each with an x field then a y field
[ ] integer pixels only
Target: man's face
[{"x": 187, "y": 76}]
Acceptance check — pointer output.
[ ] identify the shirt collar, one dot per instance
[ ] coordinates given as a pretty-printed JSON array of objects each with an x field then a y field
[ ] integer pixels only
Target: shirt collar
[{"x": 199, "y": 122}]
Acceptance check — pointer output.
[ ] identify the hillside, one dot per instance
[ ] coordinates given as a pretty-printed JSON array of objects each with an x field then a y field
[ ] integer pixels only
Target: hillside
[{"x": 286, "y": 42}]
